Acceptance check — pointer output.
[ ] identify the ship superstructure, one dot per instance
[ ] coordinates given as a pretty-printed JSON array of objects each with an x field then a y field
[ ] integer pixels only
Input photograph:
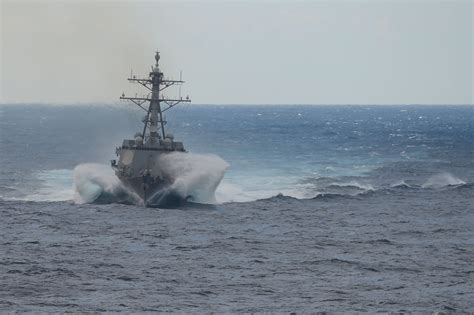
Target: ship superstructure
[{"x": 138, "y": 159}]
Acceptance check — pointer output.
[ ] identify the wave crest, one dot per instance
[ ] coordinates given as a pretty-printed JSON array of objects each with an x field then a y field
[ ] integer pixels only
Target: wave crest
[{"x": 442, "y": 180}]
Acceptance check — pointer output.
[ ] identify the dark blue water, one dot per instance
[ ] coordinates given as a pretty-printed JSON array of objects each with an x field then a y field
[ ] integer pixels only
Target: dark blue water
[{"x": 323, "y": 208}]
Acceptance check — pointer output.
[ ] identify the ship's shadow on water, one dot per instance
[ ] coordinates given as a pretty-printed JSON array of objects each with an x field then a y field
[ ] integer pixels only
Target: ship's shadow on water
[
  {"x": 121, "y": 198},
  {"x": 184, "y": 205},
  {"x": 188, "y": 205}
]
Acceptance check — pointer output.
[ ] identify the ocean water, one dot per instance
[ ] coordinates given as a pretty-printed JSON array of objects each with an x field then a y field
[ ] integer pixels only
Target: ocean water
[{"x": 320, "y": 208}]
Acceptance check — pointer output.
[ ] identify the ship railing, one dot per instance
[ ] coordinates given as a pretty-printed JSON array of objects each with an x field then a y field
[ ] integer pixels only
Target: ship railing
[{"x": 152, "y": 149}]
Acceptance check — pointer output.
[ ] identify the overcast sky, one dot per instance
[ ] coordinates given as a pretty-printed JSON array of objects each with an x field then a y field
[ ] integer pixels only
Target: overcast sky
[{"x": 241, "y": 52}]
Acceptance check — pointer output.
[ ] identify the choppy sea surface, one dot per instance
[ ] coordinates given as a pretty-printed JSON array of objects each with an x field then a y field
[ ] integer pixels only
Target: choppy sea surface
[{"x": 321, "y": 208}]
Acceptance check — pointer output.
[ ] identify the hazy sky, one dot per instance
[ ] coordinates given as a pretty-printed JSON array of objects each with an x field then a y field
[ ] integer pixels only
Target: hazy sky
[{"x": 241, "y": 52}]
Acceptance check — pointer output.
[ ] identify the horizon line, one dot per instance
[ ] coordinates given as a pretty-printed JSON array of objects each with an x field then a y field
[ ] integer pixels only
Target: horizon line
[{"x": 228, "y": 104}]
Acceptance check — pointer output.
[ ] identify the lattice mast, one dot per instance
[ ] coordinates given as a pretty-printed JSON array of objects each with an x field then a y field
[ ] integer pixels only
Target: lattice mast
[{"x": 155, "y": 83}]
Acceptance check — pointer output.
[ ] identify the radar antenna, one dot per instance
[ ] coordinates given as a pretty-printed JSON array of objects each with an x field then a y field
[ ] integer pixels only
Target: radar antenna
[{"x": 157, "y": 104}]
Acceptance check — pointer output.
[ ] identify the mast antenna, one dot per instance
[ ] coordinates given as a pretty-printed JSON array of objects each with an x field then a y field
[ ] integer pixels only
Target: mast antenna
[
  {"x": 155, "y": 103},
  {"x": 180, "y": 79}
]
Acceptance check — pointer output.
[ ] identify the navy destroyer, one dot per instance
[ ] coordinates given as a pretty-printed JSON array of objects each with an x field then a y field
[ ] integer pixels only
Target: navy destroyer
[{"x": 138, "y": 166}]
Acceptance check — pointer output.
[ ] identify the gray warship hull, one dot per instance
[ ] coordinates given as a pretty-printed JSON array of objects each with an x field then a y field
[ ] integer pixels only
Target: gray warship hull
[
  {"x": 141, "y": 170},
  {"x": 153, "y": 192}
]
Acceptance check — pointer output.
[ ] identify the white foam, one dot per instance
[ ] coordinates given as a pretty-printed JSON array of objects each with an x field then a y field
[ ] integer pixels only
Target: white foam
[
  {"x": 56, "y": 185},
  {"x": 228, "y": 192},
  {"x": 355, "y": 184},
  {"x": 231, "y": 192},
  {"x": 442, "y": 180}
]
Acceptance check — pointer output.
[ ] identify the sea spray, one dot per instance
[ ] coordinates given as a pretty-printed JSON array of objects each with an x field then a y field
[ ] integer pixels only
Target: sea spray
[
  {"x": 98, "y": 183},
  {"x": 196, "y": 176}
]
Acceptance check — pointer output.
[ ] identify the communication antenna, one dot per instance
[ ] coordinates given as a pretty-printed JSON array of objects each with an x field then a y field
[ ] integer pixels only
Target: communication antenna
[{"x": 180, "y": 79}]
